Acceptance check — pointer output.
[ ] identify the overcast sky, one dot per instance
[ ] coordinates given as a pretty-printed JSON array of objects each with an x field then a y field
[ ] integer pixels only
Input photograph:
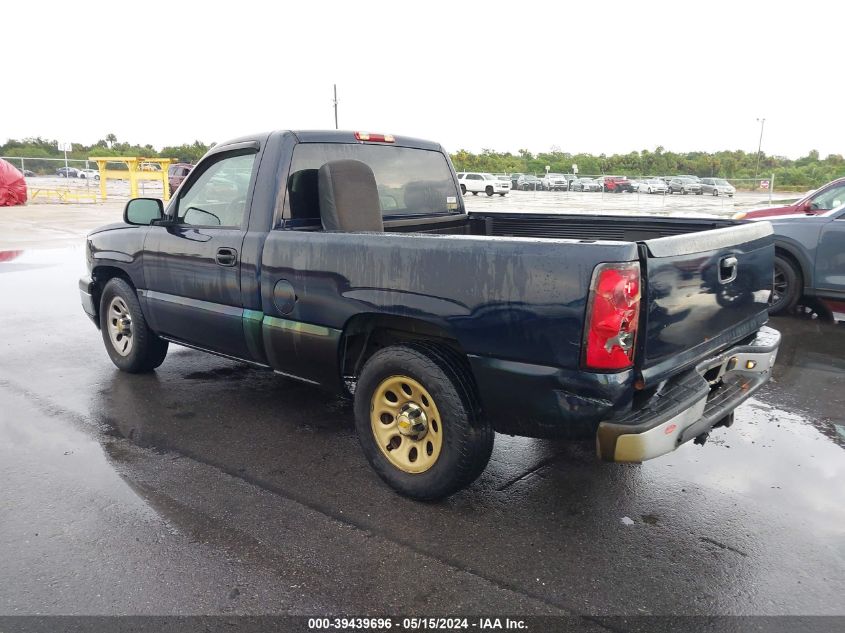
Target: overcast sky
[{"x": 584, "y": 77}]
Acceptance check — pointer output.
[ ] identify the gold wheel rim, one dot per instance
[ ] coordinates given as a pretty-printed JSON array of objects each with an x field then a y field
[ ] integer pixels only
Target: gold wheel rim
[{"x": 399, "y": 407}]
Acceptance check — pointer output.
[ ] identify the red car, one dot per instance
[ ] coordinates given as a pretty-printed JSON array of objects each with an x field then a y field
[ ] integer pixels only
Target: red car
[
  {"x": 816, "y": 202},
  {"x": 618, "y": 184}
]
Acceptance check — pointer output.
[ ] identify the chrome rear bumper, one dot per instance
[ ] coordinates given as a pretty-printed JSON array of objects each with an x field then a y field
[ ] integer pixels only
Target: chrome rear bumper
[{"x": 692, "y": 403}]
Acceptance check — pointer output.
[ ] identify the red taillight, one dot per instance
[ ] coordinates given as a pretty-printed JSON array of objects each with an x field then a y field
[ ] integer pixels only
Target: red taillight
[
  {"x": 374, "y": 138},
  {"x": 613, "y": 313}
]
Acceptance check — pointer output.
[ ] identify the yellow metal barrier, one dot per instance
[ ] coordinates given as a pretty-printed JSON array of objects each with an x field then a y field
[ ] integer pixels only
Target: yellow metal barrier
[
  {"x": 136, "y": 169},
  {"x": 64, "y": 195}
]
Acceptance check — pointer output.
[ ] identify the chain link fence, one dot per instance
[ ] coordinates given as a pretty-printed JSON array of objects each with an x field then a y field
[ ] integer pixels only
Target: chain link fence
[{"x": 54, "y": 180}]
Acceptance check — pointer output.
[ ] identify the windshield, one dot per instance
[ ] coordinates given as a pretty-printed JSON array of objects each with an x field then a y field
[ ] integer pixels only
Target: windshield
[
  {"x": 410, "y": 181},
  {"x": 721, "y": 181}
]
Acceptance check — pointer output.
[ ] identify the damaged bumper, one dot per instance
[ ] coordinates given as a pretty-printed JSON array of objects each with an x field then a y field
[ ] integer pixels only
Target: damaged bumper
[{"x": 692, "y": 403}]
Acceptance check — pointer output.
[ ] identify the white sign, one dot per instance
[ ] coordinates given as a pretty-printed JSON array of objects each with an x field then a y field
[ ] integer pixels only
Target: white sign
[
  {"x": 547, "y": 169},
  {"x": 64, "y": 146},
  {"x": 574, "y": 168},
  {"x": 764, "y": 184}
]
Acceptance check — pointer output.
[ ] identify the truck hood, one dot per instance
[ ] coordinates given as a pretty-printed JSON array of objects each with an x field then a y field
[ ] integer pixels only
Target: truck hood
[
  {"x": 768, "y": 212},
  {"x": 110, "y": 227}
]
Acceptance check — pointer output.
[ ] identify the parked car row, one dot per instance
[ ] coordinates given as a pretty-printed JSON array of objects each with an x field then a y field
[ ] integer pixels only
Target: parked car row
[
  {"x": 682, "y": 184},
  {"x": 73, "y": 172},
  {"x": 176, "y": 173}
]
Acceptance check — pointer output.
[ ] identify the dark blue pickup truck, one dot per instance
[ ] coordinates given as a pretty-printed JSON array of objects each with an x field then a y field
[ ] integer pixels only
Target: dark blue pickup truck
[{"x": 347, "y": 260}]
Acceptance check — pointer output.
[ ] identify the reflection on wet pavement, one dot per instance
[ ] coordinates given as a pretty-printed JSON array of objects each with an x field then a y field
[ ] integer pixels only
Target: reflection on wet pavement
[{"x": 258, "y": 481}]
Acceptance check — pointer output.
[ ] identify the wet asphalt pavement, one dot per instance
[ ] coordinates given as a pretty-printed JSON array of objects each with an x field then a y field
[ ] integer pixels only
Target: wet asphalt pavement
[{"x": 212, "y": 488}]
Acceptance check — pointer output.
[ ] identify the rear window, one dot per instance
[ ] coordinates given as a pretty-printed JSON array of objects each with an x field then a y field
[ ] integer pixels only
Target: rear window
[{"x": 410, "y": 181}]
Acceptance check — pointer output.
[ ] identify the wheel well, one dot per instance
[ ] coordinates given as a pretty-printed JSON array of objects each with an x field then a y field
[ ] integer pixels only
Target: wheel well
[
  {"x": 101, "y": 276},
  {"x": 799, "y": 269},
  {"x": 365, "y": 334}
]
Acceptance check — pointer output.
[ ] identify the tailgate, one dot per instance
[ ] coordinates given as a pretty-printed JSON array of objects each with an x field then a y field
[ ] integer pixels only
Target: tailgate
[{"x": 705, "y": 290}]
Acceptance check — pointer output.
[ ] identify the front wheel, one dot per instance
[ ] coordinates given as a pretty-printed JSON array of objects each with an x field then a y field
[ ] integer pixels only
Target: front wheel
[
  {"x": 715, "y": 192},
  {"x": 419, "y": 422},
  {"x": 463, "y": 190},
  {"x": 132, "y": 346},
  {"x": 488, "y": 191},
  {"x": 786, "y": 288}
]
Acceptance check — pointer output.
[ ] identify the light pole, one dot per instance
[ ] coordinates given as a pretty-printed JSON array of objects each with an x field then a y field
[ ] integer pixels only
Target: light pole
[
  {"x": 762, "y": 122},
  {"x": 335, "y": 106}
]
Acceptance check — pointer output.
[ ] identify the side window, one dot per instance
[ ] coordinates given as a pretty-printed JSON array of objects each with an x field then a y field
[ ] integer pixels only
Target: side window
[
  {"x": 830, "y": 199},
  {"x": 218, "y": 196}
]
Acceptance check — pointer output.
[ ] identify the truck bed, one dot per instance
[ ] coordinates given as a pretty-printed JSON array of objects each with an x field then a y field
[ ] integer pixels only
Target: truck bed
[
  {"x": 691, "y": 311},
  {"x": 593, "y": 227},
  {"x": 586, "y": 227}
]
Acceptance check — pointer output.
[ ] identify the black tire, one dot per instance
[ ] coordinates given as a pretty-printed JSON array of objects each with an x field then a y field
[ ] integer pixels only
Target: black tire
[
  {"x": 467, "y": 438},
  {"x": 488, "y": 191},
  {"x": 683, "y": 191},
  {"x": 699, "y": 193},
  {"x": 463, "y": 190},
  {"x": 715, "y": 192},
  {"x": 148, "y": 350},
  {"x": 786, "y": 286},
  {"x": 475, "y": 193}
]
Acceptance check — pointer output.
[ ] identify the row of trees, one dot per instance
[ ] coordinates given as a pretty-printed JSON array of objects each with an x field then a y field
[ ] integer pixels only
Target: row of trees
[
  {"x": 808, "y": 171},
  {"x": 109, "y": 146}
]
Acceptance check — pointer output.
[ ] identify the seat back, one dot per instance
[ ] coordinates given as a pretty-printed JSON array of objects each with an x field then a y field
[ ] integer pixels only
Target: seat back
[
  {"x": 349, "y": 197},
  {"x": 303, "y": 195}
]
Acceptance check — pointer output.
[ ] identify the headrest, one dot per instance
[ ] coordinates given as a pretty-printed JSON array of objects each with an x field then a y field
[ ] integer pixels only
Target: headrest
[{"x": 349, "y": 197}]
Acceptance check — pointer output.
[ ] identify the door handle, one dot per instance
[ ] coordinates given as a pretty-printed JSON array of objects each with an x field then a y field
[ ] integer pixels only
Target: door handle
[{"x": 226, "y": 256}]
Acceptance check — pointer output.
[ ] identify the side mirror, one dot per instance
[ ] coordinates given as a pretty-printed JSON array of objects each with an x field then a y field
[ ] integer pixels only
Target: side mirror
[{"x": 142, "y": 211}]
